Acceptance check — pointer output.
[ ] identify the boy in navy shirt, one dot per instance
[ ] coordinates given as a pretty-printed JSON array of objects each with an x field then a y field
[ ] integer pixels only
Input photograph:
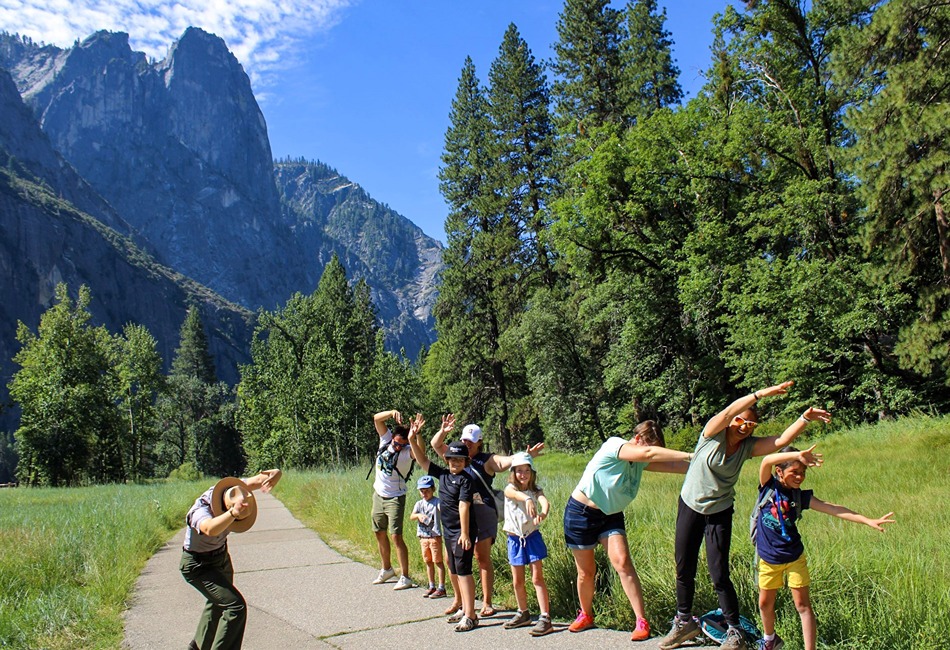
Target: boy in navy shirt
[{"x": 458, "y": 520}]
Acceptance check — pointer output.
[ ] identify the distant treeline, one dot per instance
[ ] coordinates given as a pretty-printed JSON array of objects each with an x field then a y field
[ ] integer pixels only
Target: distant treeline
[{"x": 96, "y": 407}]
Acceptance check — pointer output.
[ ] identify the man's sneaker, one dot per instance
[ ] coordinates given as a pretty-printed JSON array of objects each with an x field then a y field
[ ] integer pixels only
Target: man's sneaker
[
  {"x": 584, "y": 621},
  {"x": 457, "y": 616},
  {"x": 466, "y": 624},
  {"x": 384, "y": 575},
  {"x": 428, "y": 592},
  {"x": 774, "y": 644},
  {"x": 681, "y": 632},
  {"x": 438, "y": 592},
  {"x": 735, "y": 640},
  {"x": 403, "y": 583},
  {"x": 642, "y": 631},
  {"x": 521, "y": 619},
  {"x": 543, "y": 626}
]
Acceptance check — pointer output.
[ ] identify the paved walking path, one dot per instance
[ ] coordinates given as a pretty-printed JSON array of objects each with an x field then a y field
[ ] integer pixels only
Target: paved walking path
[{"x": 302, "y": 594}]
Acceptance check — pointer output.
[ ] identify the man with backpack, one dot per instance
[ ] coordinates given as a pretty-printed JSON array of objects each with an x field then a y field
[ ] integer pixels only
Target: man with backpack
[{"x": 393, "y": 466}]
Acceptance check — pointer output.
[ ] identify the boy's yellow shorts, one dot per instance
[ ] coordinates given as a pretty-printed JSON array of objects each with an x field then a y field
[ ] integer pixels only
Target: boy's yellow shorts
[{"x": 772, "y": 576}]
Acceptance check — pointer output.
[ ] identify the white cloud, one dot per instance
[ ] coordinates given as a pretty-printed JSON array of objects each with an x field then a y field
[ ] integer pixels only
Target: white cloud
[{"x": 262, "y": 34}]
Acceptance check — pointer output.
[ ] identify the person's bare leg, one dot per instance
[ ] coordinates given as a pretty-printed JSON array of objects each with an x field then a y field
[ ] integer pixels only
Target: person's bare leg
[
  {"x": 619, "y": 554},
  {"x": 487, "y": 573},
  {"x": 802, "y": 601},
  {"x": 586, "y": 578},
  {"x": 402, "y": 554},
  {"x": 385, "y": 550}
]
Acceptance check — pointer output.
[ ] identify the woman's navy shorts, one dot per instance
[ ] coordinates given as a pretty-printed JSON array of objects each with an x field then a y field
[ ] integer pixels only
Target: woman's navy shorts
[{"x": 585, "y": 527}]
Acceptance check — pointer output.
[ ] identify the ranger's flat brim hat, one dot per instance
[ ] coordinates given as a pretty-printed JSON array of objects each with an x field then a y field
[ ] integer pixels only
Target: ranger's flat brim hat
[{"x": 219, "y": 504}]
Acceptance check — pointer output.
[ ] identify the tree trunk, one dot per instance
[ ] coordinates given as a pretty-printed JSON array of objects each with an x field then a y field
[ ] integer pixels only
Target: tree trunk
[{"x": 943, "y": 235}]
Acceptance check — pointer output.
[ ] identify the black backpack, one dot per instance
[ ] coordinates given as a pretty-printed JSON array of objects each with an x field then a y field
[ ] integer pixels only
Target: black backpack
[{"x": 412, "y": 466}]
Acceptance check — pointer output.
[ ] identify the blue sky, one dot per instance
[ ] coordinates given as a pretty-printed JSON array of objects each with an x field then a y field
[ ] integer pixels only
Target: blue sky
[{"x": 362, "y": 85}]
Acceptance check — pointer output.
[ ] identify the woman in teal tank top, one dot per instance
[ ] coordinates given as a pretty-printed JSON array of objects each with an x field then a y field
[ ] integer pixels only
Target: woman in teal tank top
[{"x": 594, "y": 515}]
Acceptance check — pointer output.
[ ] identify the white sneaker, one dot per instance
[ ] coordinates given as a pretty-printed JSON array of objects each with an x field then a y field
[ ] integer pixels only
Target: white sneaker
[
  {"x": 403, "y": 583},
  {"x": 384, "y": 575}
]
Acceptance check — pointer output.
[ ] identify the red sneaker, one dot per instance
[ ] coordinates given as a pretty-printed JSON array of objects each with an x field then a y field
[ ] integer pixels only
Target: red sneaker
[
  {"x": 642, "y": 631},
  {"x": 584, "y": 621}
]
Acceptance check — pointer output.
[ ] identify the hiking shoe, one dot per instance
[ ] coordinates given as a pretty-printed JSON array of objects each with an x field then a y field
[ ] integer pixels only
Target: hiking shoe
[
  {"x": 642, "y": 631},
  {"x": 384, "y": 575},
  {"x": 403, "y": 583},
  {"x": 466, "y": 624},
  {"x": 428, "y": 592},
  {"x": 438, "y": 592},
  {"x": 584, "y": 621},
  {"x": 735, "y": 640},
  {"x": 521, "y": 619},
  {"x": 681, "y": 632},
  {"x": 774, "y": 644},
  {"x": 457, "y": 616},
  {"x": 543, "y": 626}
]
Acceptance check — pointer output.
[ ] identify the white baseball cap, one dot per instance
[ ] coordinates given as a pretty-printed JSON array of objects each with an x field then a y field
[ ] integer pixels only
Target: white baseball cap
[{"x": 472, "y": 433}]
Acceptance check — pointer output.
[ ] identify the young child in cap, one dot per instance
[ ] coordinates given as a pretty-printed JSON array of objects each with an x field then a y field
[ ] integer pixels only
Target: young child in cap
[
  {"x": 429, "y": 531},
  {"x": 458, "y": 520},
  {"x": 779, "y": 544},
  {"x": 525, "y": 508}
]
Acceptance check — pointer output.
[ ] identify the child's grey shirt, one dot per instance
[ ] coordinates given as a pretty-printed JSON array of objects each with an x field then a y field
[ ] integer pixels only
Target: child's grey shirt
[{"x": 429, "y": 526}]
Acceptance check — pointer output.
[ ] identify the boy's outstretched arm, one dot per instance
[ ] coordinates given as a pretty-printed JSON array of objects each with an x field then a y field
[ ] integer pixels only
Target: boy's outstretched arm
[
  {"x": 415, "y": 443},
  {"x": 808, "y": 457},
  {"x": 850, "y": 515},
  {"x": 770, "y": 444},
  {"x": 438, "y": 440}
]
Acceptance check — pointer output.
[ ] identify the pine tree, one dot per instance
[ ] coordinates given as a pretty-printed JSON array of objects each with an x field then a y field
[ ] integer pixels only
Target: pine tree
[
  {"x": 523, "y": 144},
  {"x": 195, "y": 413},
  {"x": 192, "y": 358},
  {"x": 650, "y": 78},
  {"x": 901, "y": 132},
  {"x": 479, "y": 281},
  {"x": 587, "y": 66}
]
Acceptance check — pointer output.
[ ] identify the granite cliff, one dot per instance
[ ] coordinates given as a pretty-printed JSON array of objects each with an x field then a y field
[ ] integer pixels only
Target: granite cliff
[
  {"x": 55, "y": 228},
  {"x": 178, "y": 149}
]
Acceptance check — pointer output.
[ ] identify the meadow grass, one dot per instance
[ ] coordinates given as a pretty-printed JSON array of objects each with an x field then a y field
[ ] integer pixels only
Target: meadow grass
[
  {"x": 869, "y": 590},
  {"x": 69, "y": 558}
]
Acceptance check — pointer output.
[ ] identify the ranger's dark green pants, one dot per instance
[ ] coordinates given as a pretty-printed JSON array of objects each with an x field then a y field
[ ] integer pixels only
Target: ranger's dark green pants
[{"x": 222, "y": 622}]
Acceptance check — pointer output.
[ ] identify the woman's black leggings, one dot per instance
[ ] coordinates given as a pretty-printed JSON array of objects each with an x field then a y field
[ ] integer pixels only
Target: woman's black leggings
[{"x": 691, "y": 528}]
